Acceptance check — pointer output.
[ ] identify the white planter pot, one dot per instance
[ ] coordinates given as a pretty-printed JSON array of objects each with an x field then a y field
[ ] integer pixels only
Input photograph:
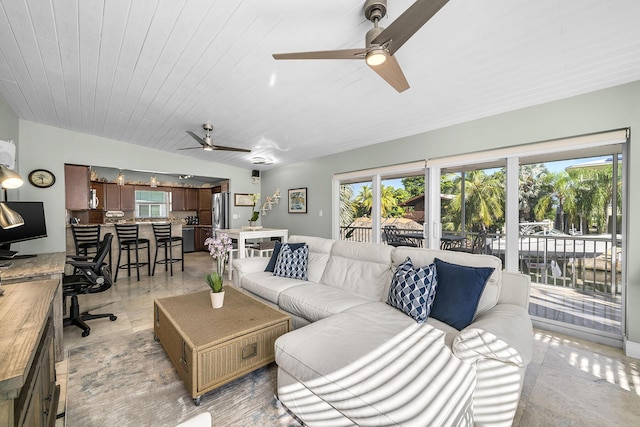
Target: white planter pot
[{"x": 217, "y": 299}]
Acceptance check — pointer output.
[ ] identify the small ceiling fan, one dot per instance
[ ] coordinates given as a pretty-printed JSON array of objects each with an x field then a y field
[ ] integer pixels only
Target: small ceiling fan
[
  {"x": 382, "y": 43},
  {"x": 207, "y": 142}
]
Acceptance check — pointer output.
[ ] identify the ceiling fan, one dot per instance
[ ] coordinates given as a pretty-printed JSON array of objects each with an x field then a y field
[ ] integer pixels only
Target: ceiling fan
[
  {"x": 207, "y": 142},
  {"x": 381, "y": 43}
]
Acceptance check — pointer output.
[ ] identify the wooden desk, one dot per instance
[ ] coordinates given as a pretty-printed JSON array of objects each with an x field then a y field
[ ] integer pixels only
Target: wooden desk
[
  {"x": 48, "y": 266},
  {"x": 28, "y": 391},
  {"x": 242, "y": 235}
]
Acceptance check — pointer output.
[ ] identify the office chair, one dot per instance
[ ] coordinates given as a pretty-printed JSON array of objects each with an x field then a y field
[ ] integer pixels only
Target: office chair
[{"x": 89, "y": 277}]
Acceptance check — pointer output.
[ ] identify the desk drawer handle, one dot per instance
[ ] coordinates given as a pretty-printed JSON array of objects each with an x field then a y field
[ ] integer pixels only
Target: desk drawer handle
[{"x": 249, "y": 351}]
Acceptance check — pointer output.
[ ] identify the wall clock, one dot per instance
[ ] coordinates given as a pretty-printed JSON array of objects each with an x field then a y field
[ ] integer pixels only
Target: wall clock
[{"x": 42, "y": 178}]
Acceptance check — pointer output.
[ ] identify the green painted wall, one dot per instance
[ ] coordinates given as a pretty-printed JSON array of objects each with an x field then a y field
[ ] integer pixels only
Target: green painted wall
[{"x": 607, "y": 109}]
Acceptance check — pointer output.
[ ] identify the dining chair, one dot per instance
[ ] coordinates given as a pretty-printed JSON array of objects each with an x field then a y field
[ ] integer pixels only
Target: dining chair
[{"x": 395, "y": 238}]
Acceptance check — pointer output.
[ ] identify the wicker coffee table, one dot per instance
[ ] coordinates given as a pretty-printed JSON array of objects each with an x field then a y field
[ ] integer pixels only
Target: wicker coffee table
[{"x": 211, "y": 347}]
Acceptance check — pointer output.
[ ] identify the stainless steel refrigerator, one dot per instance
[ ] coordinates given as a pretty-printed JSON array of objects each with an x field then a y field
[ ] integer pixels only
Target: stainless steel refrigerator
[{"x": 220, "y": 211}]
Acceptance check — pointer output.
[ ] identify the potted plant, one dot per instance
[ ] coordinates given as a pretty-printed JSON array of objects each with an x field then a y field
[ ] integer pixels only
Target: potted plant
[
  {"x": 214, "y": 280},
  {"x": 218, "y": 249}
]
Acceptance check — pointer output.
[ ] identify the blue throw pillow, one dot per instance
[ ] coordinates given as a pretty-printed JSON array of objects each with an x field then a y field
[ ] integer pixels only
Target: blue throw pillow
[
  {"x": 459, "y": 291},
  {"x": 292, "y": 263},
  {"x": 276, "y": 250},
  {"x": 413, "y": 290}
]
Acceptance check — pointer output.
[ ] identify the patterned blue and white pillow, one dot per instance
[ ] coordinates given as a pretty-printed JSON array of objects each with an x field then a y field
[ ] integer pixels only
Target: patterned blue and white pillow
[
  {"x": 413, "y": 290},
  {"x": 292, "y": 263}
]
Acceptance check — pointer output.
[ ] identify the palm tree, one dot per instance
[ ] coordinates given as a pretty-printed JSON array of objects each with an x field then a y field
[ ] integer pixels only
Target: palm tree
[
  {"x": 484, "y": 199},
  {"x": 531, "y": 189},
  {"x": 559, "y": 199},
  {"x": 364, "y": 201},
  {"x": 347, "y": 210},
  {"x": 387, "y": 200}
]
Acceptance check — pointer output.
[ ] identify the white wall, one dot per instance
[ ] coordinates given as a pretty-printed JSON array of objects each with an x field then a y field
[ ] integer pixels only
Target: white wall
[
  {"x": 613, "y": 108},
  {"x": 42, "y": 146}
]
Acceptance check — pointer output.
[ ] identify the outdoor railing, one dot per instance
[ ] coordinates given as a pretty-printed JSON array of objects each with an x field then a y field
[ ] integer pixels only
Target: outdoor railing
[{"x": 580, "y": 262}]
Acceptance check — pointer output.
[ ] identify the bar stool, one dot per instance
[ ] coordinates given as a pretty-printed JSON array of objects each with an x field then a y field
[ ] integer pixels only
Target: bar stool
[
  {"x": 164, "y": 239},
  {"x": 86, "y": 239},
  {"x": 128, "y": 240}
]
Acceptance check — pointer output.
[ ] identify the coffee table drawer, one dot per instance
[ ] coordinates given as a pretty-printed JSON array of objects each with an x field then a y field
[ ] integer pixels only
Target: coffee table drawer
[{"x": 234, "y": 358}]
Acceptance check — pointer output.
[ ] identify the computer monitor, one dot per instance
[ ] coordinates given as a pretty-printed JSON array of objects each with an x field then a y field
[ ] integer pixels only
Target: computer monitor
[{"x": 34, "y": 226}]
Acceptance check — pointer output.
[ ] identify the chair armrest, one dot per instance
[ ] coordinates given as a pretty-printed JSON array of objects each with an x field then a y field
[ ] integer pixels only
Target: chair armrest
[
  {"x": 78, "y": 258},
  {"x": 504, "y": 333},
  {"x": 243, "y": 266},
  {"x": 81, "y": 264}
]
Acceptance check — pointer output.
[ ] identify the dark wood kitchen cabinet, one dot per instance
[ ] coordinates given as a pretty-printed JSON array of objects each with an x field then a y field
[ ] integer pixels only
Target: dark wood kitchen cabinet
[
  {"x": 201, "y": 234},
  {"x": 178, "y": 199},
  {"x": 127, "y": 198},
  {"x": 76, "y": 187},
  {"x": 119, "y": 197},
  {"x": 191, "y": 199},
  {"x": 204, "y": 206}
]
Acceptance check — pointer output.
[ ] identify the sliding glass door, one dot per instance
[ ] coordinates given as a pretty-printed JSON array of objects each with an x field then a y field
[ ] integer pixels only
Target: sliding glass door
[{"x": 553, "y": 211}]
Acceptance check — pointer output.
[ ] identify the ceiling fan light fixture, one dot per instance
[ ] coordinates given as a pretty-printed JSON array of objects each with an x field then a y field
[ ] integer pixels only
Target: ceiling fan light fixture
[
  {"x": 207, "y": 148},
  {"x": 376, "y": 57}
]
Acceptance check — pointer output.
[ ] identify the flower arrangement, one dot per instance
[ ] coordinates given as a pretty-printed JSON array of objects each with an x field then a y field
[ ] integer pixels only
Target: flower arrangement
[{"x": 218, "y": 249}]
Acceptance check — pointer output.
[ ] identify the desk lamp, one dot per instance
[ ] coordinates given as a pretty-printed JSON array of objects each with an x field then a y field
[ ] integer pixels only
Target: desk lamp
[{"x": 8, "y": 217}]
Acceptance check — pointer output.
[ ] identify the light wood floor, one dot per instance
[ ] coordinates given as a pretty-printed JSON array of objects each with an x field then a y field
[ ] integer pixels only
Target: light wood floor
[{"x": 570, "y": 381}]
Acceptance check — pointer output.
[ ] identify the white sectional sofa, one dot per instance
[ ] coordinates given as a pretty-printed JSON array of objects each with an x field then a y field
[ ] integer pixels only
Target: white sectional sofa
[{"x": 355, "y": 360}]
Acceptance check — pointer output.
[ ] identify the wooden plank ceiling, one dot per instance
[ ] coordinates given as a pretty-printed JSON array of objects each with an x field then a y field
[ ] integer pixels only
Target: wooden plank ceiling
[{"x": 145, "y": 71}]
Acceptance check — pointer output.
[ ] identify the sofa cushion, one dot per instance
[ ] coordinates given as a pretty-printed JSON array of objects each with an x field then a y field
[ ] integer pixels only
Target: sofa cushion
[
  {"x": 268, "y": 286},
  {"x": 292, "y": 263},
  {"x": 315, "y": 302},
  {"x": 276, "y": 251},
  {"x": 360, "y": 268},
  {"x": 492, "y": 289},
  {"x": 380, "y": 370},
  {"x": 413, "y": 290},
  {"x": 458, "y": 294},
  {"x": 350, "y": 335},
  {"x": 319, "y": 251}
]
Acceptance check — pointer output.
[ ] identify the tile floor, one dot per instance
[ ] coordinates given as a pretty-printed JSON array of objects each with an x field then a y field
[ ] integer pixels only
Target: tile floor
[{"x": 570, "y": 382}]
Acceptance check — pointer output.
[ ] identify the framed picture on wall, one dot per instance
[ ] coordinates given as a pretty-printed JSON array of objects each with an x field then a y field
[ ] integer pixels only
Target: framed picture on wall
[
  {"x": 297, "y": 200},
  {"x": 242, "y": 199}
]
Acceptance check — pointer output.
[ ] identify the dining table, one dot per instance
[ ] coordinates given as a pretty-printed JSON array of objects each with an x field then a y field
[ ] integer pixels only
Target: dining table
[{"x": 249, "y": 233}]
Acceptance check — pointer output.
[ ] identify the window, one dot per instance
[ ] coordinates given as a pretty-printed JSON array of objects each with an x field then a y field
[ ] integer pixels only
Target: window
[
  {"x": 370, "y": 200},
  {"x": 152, "y": 204}
]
